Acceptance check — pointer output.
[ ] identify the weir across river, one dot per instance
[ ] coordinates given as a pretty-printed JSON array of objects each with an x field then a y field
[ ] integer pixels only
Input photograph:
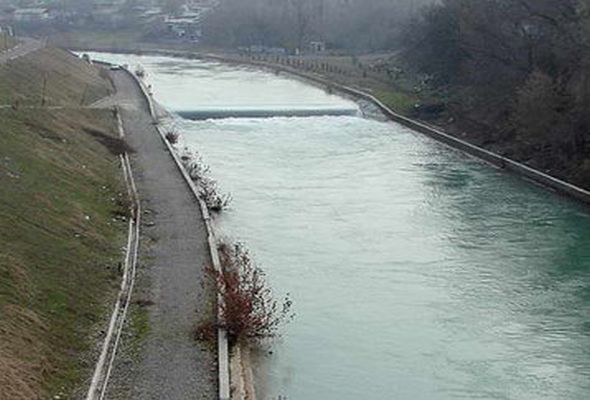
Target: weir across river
[
  {"x": 257, "y": 112},
  {"x": 416, "y": 272}
]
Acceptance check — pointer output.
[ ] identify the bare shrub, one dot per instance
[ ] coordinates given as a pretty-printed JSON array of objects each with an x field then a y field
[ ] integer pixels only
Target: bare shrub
[
  {"x": 172, "y": 136},
  {"x": 195, "y": 166},
  {"x": 249, "y": 311},
  {"x": 209, "y": 190},
  {"x": 140, "y": 72},
  {"x": 215, "y": 200},
  {"x": 123, "y": 206}
]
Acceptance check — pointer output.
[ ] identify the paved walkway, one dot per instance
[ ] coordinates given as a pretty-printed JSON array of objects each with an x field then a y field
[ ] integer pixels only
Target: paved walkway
[{"x": 173, "y": 365}]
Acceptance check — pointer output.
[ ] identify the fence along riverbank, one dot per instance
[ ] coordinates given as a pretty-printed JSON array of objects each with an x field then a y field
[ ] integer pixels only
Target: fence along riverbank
[{"x": 497, "y": 160}]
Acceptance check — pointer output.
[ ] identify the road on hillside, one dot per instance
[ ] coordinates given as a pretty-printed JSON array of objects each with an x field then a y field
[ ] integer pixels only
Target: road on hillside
[
  {"x": 172, "y": 365},
  {"x": 25, "y": 47}
]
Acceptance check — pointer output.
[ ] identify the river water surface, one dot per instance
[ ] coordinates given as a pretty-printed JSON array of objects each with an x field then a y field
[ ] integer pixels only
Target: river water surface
[{"x": 416, "y": 272}]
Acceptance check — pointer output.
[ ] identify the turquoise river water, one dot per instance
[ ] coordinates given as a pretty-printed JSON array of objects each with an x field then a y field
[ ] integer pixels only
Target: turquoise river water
[{"x": 416, "y": 272}]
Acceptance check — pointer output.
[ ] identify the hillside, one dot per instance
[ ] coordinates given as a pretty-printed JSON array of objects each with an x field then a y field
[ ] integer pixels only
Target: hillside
[
  {"x": 6, "y": 42},
  {"x": 60, "y": 234}
]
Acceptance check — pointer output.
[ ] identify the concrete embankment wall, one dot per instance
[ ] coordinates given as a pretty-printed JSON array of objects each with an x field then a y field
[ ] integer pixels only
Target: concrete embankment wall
[{"x": 497, "y": 160}]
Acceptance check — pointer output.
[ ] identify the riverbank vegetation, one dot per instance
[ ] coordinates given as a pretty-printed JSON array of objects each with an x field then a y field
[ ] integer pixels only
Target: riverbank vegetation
[
  {"x": 513, "y": 76},
  {"x": 508, "y": 75},
  {"x": 249, "y": 312},
  {"x": 208, "y": 187},
  {"x": 61, "y": 226}
]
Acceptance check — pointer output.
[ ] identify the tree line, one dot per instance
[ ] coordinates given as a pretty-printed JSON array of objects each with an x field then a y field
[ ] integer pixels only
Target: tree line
[
  {"x": 511, "y": 75},
  {"x": 362, "y": 25},
  {"x": 515, "y": 71}
]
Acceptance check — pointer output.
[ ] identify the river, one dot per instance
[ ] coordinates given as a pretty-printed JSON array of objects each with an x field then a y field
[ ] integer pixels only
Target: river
[{"x": 416, "y": 272}]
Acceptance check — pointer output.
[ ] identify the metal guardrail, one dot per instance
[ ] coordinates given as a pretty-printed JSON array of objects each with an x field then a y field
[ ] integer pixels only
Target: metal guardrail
[{"x": 102, "y": 372}]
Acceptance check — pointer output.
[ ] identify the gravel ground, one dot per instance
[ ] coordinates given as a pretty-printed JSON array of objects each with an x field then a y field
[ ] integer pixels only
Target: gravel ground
[{"x": 168, "y": 363}]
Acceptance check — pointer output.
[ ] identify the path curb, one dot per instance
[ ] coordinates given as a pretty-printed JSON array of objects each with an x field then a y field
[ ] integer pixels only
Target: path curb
[
  {"x": 104, "y": 365},
  {"x": 222, "y": 339}
]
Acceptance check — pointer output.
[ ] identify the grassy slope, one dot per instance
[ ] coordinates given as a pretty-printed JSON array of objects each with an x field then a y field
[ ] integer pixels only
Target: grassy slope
[
  {"x": 53, "y": 75},
  {"x": 59, "y": 245},
  {"x": 6, "y": 42}
]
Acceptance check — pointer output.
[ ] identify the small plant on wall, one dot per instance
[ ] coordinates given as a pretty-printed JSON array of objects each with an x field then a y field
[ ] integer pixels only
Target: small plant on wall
[
  {"x": 209, "y": 190},
  {"x": 172, "y": 136}
]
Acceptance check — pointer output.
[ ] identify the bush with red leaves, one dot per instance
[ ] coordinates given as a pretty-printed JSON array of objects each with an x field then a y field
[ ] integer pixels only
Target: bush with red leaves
[{"x": 249, "y": 312}]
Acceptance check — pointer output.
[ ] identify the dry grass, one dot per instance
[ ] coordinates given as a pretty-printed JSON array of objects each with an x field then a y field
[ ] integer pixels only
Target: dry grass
[
  {"x": 6, "y": 42},
  {"x": 23, "y": 360},
  {"x": 51, "y": 77},
  {"x": 59, "y": 243}
]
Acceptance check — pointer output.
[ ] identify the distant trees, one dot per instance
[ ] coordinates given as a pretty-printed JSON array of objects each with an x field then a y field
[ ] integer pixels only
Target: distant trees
[
  {"x": 513, "y": 72},
  {"x": 360, "y": 25},
  {"x": 520, "y": 67},
  {"x": 240, "y": 23},
  {"x": 172, "y": 7}
]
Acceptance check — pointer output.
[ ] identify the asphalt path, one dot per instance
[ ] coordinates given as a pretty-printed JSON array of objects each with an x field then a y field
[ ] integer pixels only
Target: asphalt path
[{"x": 172, "y": 365}]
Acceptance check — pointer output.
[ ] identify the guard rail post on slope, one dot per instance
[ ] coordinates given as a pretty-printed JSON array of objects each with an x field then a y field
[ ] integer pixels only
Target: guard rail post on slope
[
  {"x": 100, "y": 377},
  {"x": 222, "y": 339}
]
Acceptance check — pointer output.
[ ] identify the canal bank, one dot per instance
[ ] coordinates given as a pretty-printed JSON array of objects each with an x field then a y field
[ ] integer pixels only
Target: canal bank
[
  {"x": 529, "y": 173},
  {"x": 497, "y": 160},
  {"x": 406, "y": 242},
  {"x": 223, "y": 350},
  {"x": 168, "y": 363}
]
